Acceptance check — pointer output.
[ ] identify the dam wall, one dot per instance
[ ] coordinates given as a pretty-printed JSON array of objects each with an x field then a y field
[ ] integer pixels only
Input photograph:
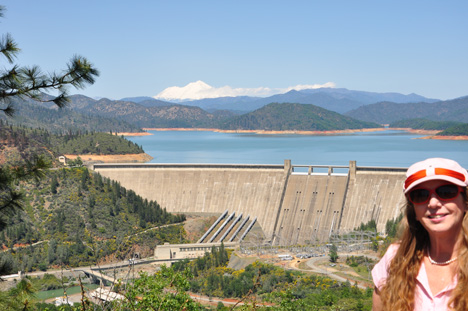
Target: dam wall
[
  {"x": 311, "y": 209},
  {"x": 254, "y": 190},
  {"x": 293, "y": 204},
  {"x": 374, "y": 193}
]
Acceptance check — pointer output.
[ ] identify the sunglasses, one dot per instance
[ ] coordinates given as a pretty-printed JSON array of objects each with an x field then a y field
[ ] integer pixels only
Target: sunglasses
[{"x": 445, "y": 193}]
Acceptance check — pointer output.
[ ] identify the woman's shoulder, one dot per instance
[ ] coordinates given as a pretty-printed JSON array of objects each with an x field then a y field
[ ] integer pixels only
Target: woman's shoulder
[
  {"x": 393, "y": 248},
  {"x": 379, "y": 272},
  {"x": 389, "y": 254}
]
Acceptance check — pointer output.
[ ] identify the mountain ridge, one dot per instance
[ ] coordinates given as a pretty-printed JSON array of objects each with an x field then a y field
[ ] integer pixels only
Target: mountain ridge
[
  {"x": 340, "y": 100},
  {"x": 389, "y": 112},
  {"x": 293, "y": 116},
  {"x": 215, "y": 113}
]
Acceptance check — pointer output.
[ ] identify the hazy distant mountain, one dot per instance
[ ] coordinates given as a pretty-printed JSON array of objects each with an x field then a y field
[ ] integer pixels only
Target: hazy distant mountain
[
  {"x": 371, "y": 97},
  {"x": 387, "y": 112},
  {"x": 241, "y": 104},
  {"x": 285, "y": 116},
  {"x": 320, "y": 99},
  {"x": 289, "y": 116},
  {"x": 311, "y": 110},
  {"x": 147, "y": 101},
  {"x": 137, "y": 99},
  {"x": 338, "y": 100},
  {"x": 152, "y": 117}
]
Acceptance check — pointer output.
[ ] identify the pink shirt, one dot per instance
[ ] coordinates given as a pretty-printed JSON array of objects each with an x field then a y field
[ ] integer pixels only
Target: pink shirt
[{"x": 423, "y": 299}]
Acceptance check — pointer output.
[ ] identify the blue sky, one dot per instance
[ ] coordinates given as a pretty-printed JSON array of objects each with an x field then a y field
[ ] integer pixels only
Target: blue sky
[{"x": 144, "y": 47}]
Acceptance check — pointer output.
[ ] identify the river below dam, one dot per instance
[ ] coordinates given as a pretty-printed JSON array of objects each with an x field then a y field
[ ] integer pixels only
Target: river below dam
[{"x": 388, "y": 148}]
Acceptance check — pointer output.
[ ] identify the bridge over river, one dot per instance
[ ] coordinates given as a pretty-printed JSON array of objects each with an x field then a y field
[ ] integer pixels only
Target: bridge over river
[{"x": 293, "y": 204}]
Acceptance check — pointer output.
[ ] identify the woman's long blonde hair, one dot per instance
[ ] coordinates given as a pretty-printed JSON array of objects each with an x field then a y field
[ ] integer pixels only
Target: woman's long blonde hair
[{"x": 399, "y": 290}]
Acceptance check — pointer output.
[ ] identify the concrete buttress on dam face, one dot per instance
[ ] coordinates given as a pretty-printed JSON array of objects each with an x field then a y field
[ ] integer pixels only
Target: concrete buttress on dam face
[{"x": 291, "y": 208}]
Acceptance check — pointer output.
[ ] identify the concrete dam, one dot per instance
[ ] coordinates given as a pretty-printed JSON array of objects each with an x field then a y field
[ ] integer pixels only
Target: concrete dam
[{"x": 293, "y": 204}]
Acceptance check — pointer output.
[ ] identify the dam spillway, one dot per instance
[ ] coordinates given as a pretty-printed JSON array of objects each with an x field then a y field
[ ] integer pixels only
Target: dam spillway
[{"x": 293, "y": 204}]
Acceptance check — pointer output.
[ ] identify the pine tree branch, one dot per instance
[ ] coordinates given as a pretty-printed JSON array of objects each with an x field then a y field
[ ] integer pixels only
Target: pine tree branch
[
  {"x": 31, "y": 83},
  {"x": 9, "y": 48}
]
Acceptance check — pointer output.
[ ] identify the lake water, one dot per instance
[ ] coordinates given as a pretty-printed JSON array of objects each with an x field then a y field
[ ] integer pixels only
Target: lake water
[
  {"x": 381, "y": 148},
  {"x": 47, "y": 294}
]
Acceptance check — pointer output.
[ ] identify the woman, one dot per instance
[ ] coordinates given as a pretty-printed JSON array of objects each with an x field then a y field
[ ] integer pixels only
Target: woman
[{"x": 428, "y": 268}]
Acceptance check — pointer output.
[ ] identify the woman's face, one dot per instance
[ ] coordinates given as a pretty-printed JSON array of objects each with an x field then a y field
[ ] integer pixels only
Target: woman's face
[{"x": 440, "y": 217}]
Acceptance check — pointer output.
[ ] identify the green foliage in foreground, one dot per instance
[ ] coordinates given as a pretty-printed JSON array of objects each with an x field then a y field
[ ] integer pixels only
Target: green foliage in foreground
[
  {"x": 268, "y": 288},
  {"x": 283, "y": 289},
  {"x": 166, "y": 290},
  {"x": 20, "y": 297},
  {"x": 19, "y": 82}
]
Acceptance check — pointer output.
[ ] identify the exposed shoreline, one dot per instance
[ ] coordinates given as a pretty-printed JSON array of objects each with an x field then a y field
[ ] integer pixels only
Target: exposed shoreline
[
  {"x": 430, "y": 133},
  {"x": 334, "y": 132},
  {"x": 111, "y": 158},
  {"x": 446, "y": 137},
  {"x": 133, "y": 134}
]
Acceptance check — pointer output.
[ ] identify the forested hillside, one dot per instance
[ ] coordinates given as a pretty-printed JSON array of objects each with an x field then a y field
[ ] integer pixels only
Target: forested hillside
[
  {"x": 424, "y": 124},
  {"x": 388, "y": 112},
  {"x": 289, "y": 116},
  {"x": 459, "y": 130},
  {"x": 446, "y": 128},
  {"x": 81, "y": 218},
  {"x": 76, "y": 217},
  {"x": 23, "y": 143},
  {"x": 95, "y": 143},
  {"x": 150, "y": 117},
  {"x": 38, "y": 115},
  {"x": 105, "y": 115}
]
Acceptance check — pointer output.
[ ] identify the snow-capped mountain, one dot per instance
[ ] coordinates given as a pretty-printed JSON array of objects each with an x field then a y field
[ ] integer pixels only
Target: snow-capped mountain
[{"x": 201, "y": 90}]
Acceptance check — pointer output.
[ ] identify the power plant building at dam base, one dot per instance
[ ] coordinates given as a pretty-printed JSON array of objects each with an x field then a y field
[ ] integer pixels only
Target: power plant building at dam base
[{"x": 293, "y": 204}]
